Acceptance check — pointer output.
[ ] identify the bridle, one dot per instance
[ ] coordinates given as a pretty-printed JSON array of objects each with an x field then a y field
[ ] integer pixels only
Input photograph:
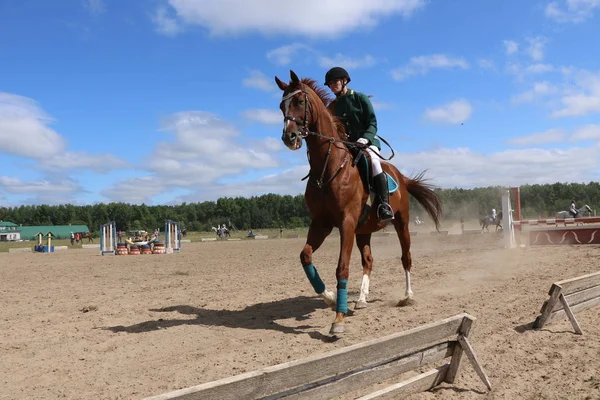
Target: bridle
[
  {"x": 304, "y": 132},
  {"x": 302, "y": 123}
]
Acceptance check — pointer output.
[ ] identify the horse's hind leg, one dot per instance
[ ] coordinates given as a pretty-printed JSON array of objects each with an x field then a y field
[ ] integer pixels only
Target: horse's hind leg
[
  {"x": 363, "y": 242},
  {"x": 404, "y": 237},
  {"x": 317, "y": 232}
]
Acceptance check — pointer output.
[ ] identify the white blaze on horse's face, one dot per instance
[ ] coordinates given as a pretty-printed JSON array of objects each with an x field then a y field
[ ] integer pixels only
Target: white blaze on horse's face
[{"x": 290, "y": 106}]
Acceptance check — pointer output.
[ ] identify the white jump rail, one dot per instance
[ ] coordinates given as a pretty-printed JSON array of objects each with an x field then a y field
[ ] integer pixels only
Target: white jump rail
[
  {"x": 553, "y": 221},
  {"x": 355, "y": 368}
]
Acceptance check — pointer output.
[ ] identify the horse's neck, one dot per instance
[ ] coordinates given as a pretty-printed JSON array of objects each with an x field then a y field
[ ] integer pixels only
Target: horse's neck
[{"x": 318, "y": 147}]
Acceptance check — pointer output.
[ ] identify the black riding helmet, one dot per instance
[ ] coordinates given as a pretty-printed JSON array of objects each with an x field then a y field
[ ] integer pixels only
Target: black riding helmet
[{"x": 336, "y": 73}]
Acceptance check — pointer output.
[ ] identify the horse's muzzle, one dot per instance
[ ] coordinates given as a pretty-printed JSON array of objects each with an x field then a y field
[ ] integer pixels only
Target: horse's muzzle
[{"x": 292, "y": 139}]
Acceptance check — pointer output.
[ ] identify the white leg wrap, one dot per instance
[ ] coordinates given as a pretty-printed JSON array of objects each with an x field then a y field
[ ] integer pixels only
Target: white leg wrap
[
  {"x": 364, "y": 288},
  {"x": 329, "y": 298},
  {"x": 409, "y": 292}
]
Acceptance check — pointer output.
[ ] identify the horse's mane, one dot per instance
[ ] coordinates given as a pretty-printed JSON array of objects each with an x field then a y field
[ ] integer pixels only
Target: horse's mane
[
  {"x": 319, "y": 90},
  {"x": 327, "y": 99}
]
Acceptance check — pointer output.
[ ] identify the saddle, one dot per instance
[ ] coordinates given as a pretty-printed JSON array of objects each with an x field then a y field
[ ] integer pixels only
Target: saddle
[{"x": 363, "y": 163}]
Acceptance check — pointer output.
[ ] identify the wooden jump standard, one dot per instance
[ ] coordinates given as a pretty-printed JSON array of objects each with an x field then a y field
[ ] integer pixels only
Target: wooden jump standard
[
  {"x": 354, "y": 368},
  {"x": 569, "y": 296}
]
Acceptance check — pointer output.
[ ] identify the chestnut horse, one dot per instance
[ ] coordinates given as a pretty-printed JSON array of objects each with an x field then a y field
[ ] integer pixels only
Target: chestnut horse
[{"x": 335, "y": 194}]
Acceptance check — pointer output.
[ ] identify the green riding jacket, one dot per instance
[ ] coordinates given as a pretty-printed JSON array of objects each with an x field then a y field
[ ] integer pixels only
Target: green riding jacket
[{"x": 356, "y": 112}]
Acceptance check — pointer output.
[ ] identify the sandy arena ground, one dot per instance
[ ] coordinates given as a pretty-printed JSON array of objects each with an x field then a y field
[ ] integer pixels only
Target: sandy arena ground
[{"x": 76, "y": 325}]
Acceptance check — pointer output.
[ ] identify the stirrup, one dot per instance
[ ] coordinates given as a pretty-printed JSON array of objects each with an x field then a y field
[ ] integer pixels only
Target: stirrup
[{"x": 386, "y": 207}]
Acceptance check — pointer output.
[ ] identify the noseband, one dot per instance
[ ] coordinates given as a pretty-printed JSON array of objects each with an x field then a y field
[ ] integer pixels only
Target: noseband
[{"x": 302, "y": 123}]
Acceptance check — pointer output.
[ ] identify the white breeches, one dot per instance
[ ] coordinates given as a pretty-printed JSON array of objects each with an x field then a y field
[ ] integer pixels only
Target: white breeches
[{"x": 375, "y": 161}]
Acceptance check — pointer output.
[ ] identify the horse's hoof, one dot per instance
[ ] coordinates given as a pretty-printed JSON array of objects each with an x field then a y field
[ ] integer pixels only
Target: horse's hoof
[
  {"x": 405, "y": 302},
  {"x": 360, "y": 305},
  {"x": 336, "y": 328}
]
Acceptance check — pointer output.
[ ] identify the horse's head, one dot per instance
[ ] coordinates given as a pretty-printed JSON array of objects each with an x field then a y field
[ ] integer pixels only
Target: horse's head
[{"x": 296, "y": 106}]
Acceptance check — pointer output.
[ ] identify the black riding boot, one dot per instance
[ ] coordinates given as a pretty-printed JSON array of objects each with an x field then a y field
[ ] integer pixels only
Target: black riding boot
[{"x": 384, "y": 211}]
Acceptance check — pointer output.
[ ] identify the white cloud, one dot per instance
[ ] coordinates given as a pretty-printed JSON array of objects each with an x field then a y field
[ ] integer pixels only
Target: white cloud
[
  {"x": 204, "y": 149},
  {"x": 17, "y": 186},
  {"x": 522, "y": 71},
  {"x": 455, "y": 112},
  {"x": 462, "y": 167},
  {"x": 583, "y": 97},
  {"x": 486, "y": 64},
  {"x": 549, "y": 136},
  {"x": 447, "y": 168},
  {"x": 263, "y": 115},
  {"x": 283, "y": 183},
  {"x": 313, "y": 18},
  {"x": 138, "y": 190},
  {"x": 537, "y": 47},
  {"x": 575, "y": 11},
  {"x": 22, "y": 118},
  {"x": 284, "y": 55},
  {"x": 583, "y": 133},
  {"x": 166, "y": 23},
  {"x": 381, "y": 105},
  {"x": 259, "y": 80},
  {"x": 48, "y": 191},
  {"x": 95, "y": 6},
  {"x": 83, "y": 160},
  {"x": 539, "y": 90},
  {"x": 343, "y": 61},
  {"x": 510, "y": 46},
  {"x": 422, "y": 64},
  {"x": 273, "y": 145},
  {"x": 587, "y": 132}
]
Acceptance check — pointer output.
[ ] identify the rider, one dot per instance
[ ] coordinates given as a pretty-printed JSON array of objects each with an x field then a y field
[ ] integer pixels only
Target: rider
[
  {"x": 573, "y": 209},
  {"x": 493, "y": 214},
  {"x": 356, "y": 112}
]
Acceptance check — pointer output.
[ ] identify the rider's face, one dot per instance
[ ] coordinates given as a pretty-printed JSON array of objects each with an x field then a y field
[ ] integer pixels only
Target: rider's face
[{"x": 336, "y": 85}]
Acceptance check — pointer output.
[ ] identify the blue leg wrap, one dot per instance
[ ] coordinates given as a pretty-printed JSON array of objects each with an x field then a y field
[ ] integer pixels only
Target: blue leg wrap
[
  {"x": 314, "y": 278},
  {"x": 342, "y": 296}
]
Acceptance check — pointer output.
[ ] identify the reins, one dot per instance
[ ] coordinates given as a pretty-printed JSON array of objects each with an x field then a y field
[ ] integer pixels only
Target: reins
[{"x": 304, "y": 132}]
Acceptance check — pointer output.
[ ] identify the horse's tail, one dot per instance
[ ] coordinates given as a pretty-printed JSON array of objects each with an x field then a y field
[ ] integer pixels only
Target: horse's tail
[{"x": 425, "y": 195}]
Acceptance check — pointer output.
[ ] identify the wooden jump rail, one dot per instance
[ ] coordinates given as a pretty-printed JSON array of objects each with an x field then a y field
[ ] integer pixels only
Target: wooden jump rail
[
  {"x": 354, "y": 368},
  {"x": 568, "y": 297}
]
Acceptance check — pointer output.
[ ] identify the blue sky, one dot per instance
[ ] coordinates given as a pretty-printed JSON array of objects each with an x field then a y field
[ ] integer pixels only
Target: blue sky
[{"x": 166, "y": 101}]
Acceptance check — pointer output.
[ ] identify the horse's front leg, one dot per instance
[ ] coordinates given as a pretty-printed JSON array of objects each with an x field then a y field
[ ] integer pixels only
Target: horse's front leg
[
  {"x": 342, "y": 273},
  {"x": 364, "y": 246},
  {"x": 317, "y": 232}
]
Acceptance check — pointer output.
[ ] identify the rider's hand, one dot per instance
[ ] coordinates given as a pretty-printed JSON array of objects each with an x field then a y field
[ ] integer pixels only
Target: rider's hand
[{"x": 363, "y": 141}]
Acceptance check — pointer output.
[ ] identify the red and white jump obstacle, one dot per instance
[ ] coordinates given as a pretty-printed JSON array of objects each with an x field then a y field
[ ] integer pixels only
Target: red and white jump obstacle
[{"x": 546, "y": 235}]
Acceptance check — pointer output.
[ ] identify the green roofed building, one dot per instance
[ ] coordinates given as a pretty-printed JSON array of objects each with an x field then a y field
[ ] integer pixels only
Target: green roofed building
[
  {"x": 9, "y": 231},
  {"x": 59, "y": 231}
]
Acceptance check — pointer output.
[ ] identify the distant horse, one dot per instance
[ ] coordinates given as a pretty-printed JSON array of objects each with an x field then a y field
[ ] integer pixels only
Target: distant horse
[
  {"x": 335, "y": 195},
  {"x": 222, "y": 231},
  {"x": 489, "y": 220},
  {"x": 88, "y": 235},
  {"x": 581, "y": 212}
]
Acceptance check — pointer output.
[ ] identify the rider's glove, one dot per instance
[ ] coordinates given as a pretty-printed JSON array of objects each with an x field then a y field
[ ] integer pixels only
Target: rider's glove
[{"x": 363, "y": 141}]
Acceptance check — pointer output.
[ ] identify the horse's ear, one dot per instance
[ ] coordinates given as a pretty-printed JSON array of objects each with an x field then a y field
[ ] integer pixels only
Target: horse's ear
[
  {"x": 282, "y": 85},
  {"x": 294, "y": 77}
]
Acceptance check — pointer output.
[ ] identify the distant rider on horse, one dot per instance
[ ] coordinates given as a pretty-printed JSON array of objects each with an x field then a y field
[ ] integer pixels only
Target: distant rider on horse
[
  {"x": 356, "y": 112},
  {"x": 573, "y": 209},
  {"x": 493, "y": 217}
]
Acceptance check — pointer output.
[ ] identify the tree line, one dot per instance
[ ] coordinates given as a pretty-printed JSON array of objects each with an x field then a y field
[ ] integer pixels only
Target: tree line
[{"x": 274, "y": 211}]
